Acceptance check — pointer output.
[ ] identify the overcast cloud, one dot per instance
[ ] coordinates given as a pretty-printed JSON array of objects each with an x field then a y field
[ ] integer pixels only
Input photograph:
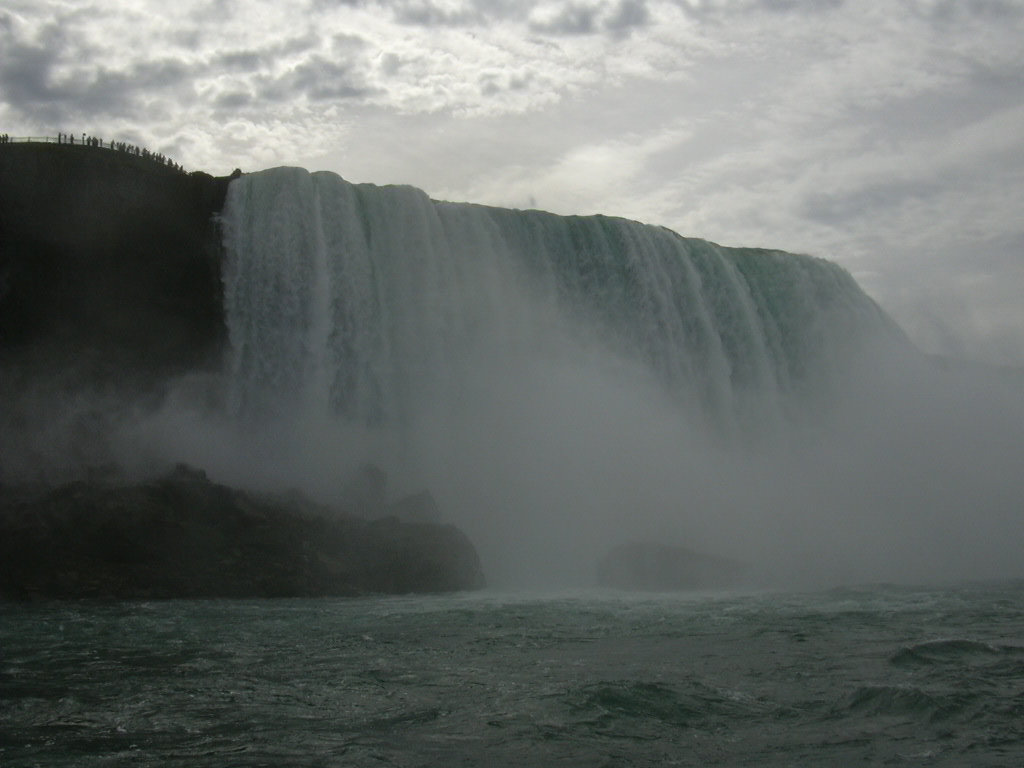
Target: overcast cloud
[{"x": 888, "y": 137}]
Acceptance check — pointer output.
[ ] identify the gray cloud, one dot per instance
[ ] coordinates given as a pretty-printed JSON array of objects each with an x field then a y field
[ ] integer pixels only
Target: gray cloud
[
  {"x": 316, "y": 76},
  {"x": 390, "y": 63},
  {"x": 495, "y": 83},
  {"x": 799, "y": 5},
  {"x": 867, "y": 201},
  {"x": 573, "y": 19},
  {"x": 321, "y": 5},
  {"x": 251, "y": 60},
  {"x": 706, "y": 9},
  {"x": 427, "y": 14},
  {"x": 629, "y": 15},
  {"x": 233, "y": 100},
  {"x": 579, "y": 18},
  {"x": 319, "y": 79},
  {"x": 478, "y": 12},
  {"x": 25, "y": 69},
  {"x": 54, "y": 78},
  {"x": 954, "y": 10},
  {"x": 244, "y": 61},
  {"x": 166, "y": 73},
  {"x": 214, "y": 10},
  {"x": 32, "y": 87}
]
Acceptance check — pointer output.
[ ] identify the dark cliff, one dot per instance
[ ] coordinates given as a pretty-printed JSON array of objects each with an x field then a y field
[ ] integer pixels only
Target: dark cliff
[{"x": 109, "y": 262}]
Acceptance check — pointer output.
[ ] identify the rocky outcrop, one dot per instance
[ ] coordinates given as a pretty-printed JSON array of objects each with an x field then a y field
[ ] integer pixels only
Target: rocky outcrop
[
  {"x": 183, "y": 536},
  {"x": 661, "y": 567}
]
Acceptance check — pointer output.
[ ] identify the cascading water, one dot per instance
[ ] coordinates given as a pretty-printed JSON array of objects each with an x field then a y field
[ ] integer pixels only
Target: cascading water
[
  {"x": 361, "y": 302},
  {"x": 559, "y": 383}
]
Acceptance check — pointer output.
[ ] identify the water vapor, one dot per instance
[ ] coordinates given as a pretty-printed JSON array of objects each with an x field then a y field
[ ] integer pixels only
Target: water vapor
[{"x": 566, "y": 385}]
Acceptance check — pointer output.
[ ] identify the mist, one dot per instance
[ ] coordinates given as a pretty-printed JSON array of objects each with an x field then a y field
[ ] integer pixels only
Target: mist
[
  {"x": 912, "y": 475},
  {"x": 556, "y": 403},
  {"x": 908, "y": 471}
]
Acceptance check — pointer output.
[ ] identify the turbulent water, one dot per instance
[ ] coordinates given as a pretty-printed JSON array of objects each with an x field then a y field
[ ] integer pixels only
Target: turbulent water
[{"x": 866, "y": 676}]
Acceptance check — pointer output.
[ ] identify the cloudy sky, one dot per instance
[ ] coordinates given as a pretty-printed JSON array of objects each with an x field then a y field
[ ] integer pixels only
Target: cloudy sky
[{"x": 886, "y": 135}]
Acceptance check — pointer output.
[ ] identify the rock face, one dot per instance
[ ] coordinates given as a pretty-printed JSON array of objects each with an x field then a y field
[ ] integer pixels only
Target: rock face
[
  {"x": 182, "y": 536},
  {"x": 110, "y": 289},
  {"x": 110, "y": 259},
  {"x": 660, "y": 568}
]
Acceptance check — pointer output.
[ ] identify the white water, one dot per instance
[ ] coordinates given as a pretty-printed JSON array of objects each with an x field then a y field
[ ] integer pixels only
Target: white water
[
  {"x": 565, "y": 383},
  {"x": 369, "y": 303}
]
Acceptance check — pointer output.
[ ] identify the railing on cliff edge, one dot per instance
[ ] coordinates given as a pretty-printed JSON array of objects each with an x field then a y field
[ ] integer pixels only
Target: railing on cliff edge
[{"x": 93, "y": 142}]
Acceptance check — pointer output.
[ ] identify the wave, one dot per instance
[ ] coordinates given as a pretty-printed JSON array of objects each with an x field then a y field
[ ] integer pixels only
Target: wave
[{"x": 952, "y": 651}]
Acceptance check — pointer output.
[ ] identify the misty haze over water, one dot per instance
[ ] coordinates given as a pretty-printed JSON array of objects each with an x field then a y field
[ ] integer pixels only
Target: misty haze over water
[
  {"x": 561, "y": 385},
  {"x": 566, "y": 384}
]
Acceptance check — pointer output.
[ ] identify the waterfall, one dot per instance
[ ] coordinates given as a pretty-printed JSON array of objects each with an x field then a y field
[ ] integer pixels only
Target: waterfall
[
  {"x": 362, "y": 303},
  {"x": 564, "y": 384}
]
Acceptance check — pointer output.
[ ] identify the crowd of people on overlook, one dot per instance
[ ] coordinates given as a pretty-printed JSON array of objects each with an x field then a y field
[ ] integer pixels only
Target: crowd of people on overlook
[{"x": 92, "y": 141}]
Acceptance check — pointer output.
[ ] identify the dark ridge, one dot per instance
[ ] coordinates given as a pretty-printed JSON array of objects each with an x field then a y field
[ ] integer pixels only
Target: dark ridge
[{"x": 109, "y": 263}]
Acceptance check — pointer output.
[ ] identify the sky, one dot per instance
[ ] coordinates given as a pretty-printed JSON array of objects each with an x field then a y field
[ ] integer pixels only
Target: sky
[{"x": 887, "y": 136}]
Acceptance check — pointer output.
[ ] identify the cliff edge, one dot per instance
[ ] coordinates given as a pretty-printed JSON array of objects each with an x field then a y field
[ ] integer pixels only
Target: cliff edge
[{"x": 108, "y": 261}]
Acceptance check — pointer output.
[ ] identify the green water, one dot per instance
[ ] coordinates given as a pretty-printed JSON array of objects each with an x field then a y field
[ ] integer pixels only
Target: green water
[{"x": 873, "y": 676}]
